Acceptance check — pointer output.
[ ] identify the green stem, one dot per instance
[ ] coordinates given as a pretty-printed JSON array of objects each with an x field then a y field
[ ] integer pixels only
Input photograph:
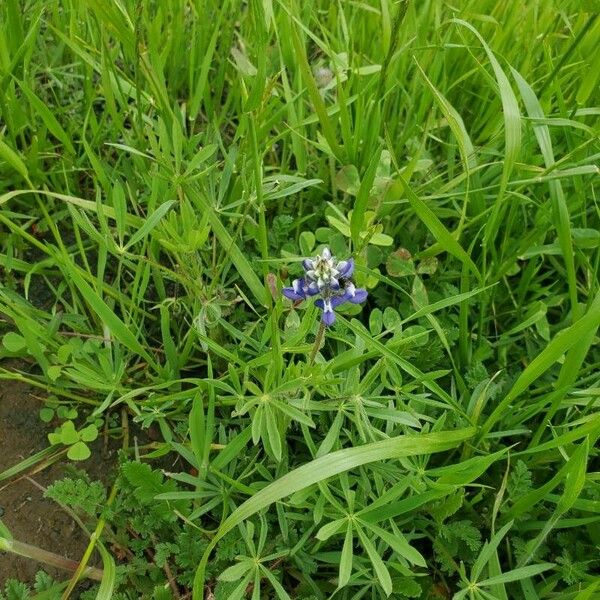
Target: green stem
[
  {"x": 94, "y": 539},
  {"x": 317, "y": 345},
  {"x": 47, "y": 558},
  {"x": 15, "y": 376}
]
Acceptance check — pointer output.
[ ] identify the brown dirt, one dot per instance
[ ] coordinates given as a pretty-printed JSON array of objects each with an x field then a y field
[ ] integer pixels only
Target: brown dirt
[{"x": 26, "y": 513}]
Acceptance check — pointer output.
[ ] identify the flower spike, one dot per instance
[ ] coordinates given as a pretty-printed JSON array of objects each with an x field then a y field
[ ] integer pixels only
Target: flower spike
[{"x": 329, "y": 279}]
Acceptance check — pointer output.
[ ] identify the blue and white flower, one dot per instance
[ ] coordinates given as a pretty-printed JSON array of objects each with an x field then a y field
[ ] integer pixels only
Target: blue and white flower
[{"x": 329, "y": 279}]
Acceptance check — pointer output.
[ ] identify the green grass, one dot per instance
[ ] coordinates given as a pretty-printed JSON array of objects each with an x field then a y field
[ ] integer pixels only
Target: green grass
[{"x": 164, "y": 166}]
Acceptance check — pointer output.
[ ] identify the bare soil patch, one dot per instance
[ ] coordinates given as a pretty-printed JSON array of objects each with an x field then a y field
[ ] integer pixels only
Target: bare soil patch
[{"x": 26, "y": 513}]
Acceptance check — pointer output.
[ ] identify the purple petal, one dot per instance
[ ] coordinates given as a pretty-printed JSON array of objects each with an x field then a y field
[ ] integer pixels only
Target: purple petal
[
  {"x": 298, "y": 285},
  {"x": 328, "y": 317},
  {"x": 337, "y": 300},
  {"x": 308, "y": 264},
  {"x": 359, "y": 297},
  {"x": 346, "y": 267},
  {"x": 312, "y": 289},
  {"x": 289, "y": 292},
  {"x": 319, "y": 303}
]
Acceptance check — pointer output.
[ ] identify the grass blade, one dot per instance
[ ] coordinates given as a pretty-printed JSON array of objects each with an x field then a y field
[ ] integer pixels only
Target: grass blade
[
  {"x": 106, "y": 315},
  {"x": 560, "y": 344},
  {"x": 238, "y": 258},
  {"x": 441, "y": 234},
  {"x": 150, "y": 223},
  {"x": 109, "y": 576},
  {"x": 561, "y": 211},
  {"x": 512, "y": 132},
  {"x": 360, "y": 206}
]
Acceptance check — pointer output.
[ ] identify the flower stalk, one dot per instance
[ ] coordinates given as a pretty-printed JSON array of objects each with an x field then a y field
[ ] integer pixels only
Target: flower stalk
[{"x": 317, "y": 344}]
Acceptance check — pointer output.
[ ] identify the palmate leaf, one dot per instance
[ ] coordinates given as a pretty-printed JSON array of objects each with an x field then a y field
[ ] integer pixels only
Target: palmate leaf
[
  {"x": 383, "y": 575},
  {"x": 236, "y": 571},
  {"x": 517, "y": 574},
  {"x": 398, "y": 543},
  {"x": 395, "y": 541},
  {"x": 328, "y": 466},
  {"x": 346, "y": 557}
]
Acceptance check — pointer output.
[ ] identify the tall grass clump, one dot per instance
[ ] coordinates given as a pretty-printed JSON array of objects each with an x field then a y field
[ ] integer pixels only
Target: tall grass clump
[{"x": 165, "y": 167}]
